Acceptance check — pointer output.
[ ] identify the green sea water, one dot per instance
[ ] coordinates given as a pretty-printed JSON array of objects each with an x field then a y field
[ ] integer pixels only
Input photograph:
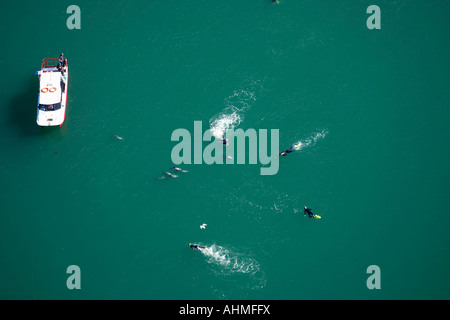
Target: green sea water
[{"x": 371, "y": 108}]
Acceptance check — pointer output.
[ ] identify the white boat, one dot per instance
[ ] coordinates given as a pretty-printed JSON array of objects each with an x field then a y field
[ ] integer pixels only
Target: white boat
[{"x": 53, "y": 85}]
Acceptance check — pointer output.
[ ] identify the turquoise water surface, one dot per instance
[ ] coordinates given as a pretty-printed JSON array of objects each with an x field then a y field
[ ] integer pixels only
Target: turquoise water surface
[{"x": 370, "y": 107}]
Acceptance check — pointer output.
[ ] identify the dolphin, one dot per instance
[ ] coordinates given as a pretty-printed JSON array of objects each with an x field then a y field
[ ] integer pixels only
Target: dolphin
[{"x": 168, "y": 174}]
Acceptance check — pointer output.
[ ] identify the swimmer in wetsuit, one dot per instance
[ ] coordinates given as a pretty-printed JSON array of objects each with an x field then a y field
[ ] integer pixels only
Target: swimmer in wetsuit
[
  {"x": 287, "y": 151},
  {"x": 197, "y": 247},
  {"x": 224, "y": 140},
  {"x": 295, "y": 147},
  {"x": 308, "y": 211},
  {"x": 310, "y": 214}
]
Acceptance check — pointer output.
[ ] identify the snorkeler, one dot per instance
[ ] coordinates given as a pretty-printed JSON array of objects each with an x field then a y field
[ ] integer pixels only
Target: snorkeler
[
  {"x": 295, "y": 147},
  {"x": 286, "y": 152},
  {"x": 197, "y": 247},
  {"x": 310, "y": 214},
  {"x": 224, "y": 140},
  {"x": 308, "y": 211}
]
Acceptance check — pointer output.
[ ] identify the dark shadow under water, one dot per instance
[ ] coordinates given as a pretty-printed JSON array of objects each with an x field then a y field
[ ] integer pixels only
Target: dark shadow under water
[{"x": 22, "y": 110}]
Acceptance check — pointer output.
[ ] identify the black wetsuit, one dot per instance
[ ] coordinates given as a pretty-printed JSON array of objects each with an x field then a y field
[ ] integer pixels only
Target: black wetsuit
[
  {"x": 291, "y": 149},
  {"x": 308, "y": 211},
  {"x": 196, "y": 247}
]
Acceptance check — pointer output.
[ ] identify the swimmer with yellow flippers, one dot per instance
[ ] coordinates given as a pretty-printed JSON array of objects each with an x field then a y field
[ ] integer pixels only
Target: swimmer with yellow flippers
[{"x": 310, "y": 214}]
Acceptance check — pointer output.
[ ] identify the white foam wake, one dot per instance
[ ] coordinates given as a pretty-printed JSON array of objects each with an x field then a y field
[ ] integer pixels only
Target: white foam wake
[
  {"x": 224, "y": 122},
  {"x": 230, "y": 262},
  {"x": 233, "y": 114},
  {"x": 312, "y": 139}
]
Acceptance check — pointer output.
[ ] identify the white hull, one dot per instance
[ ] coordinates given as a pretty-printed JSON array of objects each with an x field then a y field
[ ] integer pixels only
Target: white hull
[
  {"x": 47, "y": 118},
  {"x": 51, "y": 118}
]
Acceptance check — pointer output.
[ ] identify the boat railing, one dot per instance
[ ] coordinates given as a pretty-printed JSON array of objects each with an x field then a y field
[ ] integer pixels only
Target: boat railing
[{"x": 49, "y": 63}]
